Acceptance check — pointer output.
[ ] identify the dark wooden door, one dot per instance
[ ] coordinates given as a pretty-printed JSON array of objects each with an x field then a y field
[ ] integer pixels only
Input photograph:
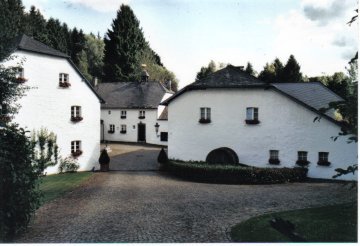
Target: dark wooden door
[{"x": 141, "y": 132}]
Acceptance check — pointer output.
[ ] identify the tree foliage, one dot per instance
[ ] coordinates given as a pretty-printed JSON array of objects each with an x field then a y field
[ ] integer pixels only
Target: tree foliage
[
  {"x": 206, "y": 71},
  {"x": 250, "y": 69}
]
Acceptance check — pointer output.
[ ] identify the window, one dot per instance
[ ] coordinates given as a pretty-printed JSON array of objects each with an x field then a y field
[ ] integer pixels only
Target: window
[
  {"x": 111, "y": 128},
  {"x": 123, "y": 114},
  {"x": 64, "y": 80},
  {"x": 142, "y": 114},
  {"x": 252, "y": 116},
  {"x": 205, "y": 115},
  {"x": 324, "y": 159},
  {"x": 3, "y": 114},
  {"x": 302, "y": 158},
  {"x": 3, "y": 109},
  {"x": 109, "y": 112},
  {"x": 163, "y": 136},
  {"x": 123, "y": 129},
  {"x": 274, "y": 157},
  {"x": 76, "y": 113},
  {"x": 76, "y": 148},
  {"x": 20, "y": 75}
]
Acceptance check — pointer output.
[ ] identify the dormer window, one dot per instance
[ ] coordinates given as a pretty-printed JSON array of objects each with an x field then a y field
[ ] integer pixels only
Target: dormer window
[
  {"x": 252, "y": 116},
  {"x": 64, "y": 80},
  {"x": 76, "y": 114},
  {"x": 205, "y": 115},
  {"x": 123, "y": 114},
  {"x": 142, "y": 114}
]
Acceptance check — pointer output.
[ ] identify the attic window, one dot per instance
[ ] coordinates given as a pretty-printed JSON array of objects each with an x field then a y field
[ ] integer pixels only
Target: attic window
[
  {"x": 205, "y": 115},
  {"x": 64, "y": 80},
  {"x": 142, "y": 114},
  {"x": 123, "y": 114},
  {"x": 252, "y": 116}
]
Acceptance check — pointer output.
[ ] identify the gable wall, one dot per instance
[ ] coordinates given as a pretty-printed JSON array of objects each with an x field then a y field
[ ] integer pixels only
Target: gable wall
[
  {"x": 48, "y": 105},
  {"x": 285, "y": 126}
]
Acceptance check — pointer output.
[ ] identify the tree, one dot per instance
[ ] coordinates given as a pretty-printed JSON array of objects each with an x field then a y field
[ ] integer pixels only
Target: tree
[
  {"x": 249, "y": 69},
  {"x": 77, "y": 44},
  {"x": 56, "y": 37},
  {"x": 35, "y": 25},
  {"x": 279, "y": 70},
  {"x": 291, "y": 71},
  {"x": 11, "y": 23},
  {"x": 123, "y": 43},
  {"x": 268, "y": 74},
  {"x": 206, "y": 71}
]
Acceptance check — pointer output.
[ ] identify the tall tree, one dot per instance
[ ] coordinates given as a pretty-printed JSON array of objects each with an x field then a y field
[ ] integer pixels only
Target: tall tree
[
  {"x": 123, "y": 43},
  {"x": 279, "y": 70},
  {"x": 249, "y": 69},
  {"x": 77, "y": 44},
  {"x": 268, "y": 74},
  {"x": 35, "y": 25},
  {"x": 56, "y": 37},
  {"x": 94, "y": 49},
  {"x": 291, "y": 71},
  {"x": 206, "y": 71},
  {"x": 11, "y": 23}
]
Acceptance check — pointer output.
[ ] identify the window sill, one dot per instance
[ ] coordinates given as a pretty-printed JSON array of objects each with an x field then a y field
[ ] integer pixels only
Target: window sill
[
  {"x": 64, "y": 85},
  {"x": 123, "y": 132},
  {"x": 141, "y": 117},
  {"x": 111, "y": 132},
  {"x": 204, "y": 121},
  {"x": 274, "y": 161},
  {"x": 324, "y": 163},
  {"x": 252, "y": 122},
  {"x": 302, "y": 163},
  {"x": 76, "y": 153},
  {"x": 76, "y": 119},
  {"x": 123, "y": 117}
]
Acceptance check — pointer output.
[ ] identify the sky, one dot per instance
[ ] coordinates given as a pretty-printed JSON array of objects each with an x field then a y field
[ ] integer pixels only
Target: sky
[{"x": 188, "y": 34}]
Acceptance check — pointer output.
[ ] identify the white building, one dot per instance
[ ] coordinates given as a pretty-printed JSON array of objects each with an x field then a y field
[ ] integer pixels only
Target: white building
[
  {"x": 60, "y": 99},
  {"x": 248, "y": 121},
  {"x": 132, "y": 112}
]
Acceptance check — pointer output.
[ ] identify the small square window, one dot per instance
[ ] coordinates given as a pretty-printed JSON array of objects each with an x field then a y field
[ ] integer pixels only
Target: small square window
[
  {"x": 302, "y": 158},
  {"x": 163, "y": 136},
  {"x": 20, "y": 73},
  {"x": 109, "y": 112},
  {"x": 123, "y": 129},
  {"x": 123, "y": 114},
  {"x": 76, "y": 113},
  {"x": 142, "y": 114},
  {"x": 76, "y": 148},
  {"x": 274, "y": 157},
  {"x": 63, "y": 78},
  {"x": 111, "y": 128},
  {"x": 324, "y": 159},
  {"x": 252, "y": 115}
]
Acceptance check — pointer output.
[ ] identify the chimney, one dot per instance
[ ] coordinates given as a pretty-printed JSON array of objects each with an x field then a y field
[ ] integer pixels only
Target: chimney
[
  {"x": 144, "y": 74},
  {"x": 95, "y": 81}
]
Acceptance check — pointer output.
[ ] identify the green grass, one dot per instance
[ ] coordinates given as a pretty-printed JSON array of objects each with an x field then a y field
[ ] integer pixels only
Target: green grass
[
  {"x": 325, "y": 224},
  {"x": 56, "y": 185}
]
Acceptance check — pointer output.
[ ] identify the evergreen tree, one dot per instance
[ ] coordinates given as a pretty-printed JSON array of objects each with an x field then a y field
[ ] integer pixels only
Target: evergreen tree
[
  {"x": 279, "y": 70},
  {"x": 291, "y": 71},
  {"x": 11, "y": 23},
  {"x": 94, "y": 49},
  {"x": 123, "y": 43},
  {"x": 56, "y": 38},
  {"x": 77, "y": 44},
  {"x": 206, "y": 71},
  {"x": 268, "y": 74},
  {"x": 249, "y": 69},
  {"x": 36, "y": 25}
]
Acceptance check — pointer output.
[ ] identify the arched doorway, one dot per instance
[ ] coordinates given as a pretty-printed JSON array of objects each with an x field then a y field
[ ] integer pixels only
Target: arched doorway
[{"x": 222, "y": 156}]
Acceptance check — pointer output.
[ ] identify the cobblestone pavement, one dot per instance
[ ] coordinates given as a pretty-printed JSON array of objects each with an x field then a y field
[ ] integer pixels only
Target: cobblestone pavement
[{"x": 152, "y": 207}]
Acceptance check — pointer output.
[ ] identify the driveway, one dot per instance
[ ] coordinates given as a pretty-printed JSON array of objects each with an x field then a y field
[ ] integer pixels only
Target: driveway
[{"x": 149, "y": 206}]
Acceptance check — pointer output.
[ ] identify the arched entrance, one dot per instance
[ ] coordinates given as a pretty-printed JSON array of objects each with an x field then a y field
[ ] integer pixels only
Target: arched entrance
[{"x": 222, "y": 156}]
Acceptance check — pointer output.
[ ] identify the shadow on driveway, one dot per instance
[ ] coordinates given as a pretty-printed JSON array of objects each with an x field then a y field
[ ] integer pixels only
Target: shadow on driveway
[{"x": 139, "y": 160}]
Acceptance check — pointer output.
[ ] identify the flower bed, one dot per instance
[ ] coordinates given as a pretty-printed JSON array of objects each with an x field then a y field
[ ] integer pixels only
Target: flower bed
[
  {"x": 252, "y": 122},
  {"x": 204, "y": 121},
  {"x": 302, "y": 163},
  {"x": 111, "y": 132},
  {"x": 324, "y": 163},
  {"x": 64, "y": 84},
  {"x": 122, "y": 117},
  {"x": 76, "y": 153},
  {"x": 123, "y": 132},
  {"x": 234, "y": 174},
  {"x": 141, "y": 117},
  {"x": 274, "y": 161},
  {"x": 76, "y": 119}
]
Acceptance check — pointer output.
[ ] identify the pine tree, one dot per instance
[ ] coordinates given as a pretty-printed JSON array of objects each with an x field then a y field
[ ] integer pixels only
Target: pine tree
[
  {"x": 249, "y": 69},
  {"x": 291, "y": 71},
  {"x": 279, "y": 70},
  {"x": 35, "y": 25},
  {"x": 206, "y": 71},
  {"x": 268, "y": 73},
  {"x": 123, "y": 43},
  {"x": 56, "y": 37},
  {"x": 77, "y": 44},
  {"x": 11, "y": 23}
]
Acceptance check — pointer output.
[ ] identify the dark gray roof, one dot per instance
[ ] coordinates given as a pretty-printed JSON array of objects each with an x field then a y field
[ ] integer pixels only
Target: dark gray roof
[
  {"x": 131, "y": 94},
  {"x": 312, "y": 94},
  {"x": 228, "y": 77},
  {"x": 24, "y": 42}
]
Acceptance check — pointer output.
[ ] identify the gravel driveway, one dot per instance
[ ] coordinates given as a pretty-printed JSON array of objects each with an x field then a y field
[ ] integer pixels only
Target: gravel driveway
[{"x": 152, "y": 207}]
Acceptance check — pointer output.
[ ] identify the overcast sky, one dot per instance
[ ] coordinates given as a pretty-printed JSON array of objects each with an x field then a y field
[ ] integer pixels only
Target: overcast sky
[{"x": 187, "y": 34}]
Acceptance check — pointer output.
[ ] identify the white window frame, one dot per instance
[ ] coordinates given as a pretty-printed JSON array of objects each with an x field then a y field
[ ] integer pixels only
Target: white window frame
[
  {"x": 274, "y": 154},
  {"x": 252, "y": 113},
  {"x": 20, "y": 73},
  {"x": 323, "y": 156},
  {"x": 302, "y": 155},
  {"x": 112, "y": 127},
  {"x": 123, "y": 113},
  {"x": 142, "y": 113},
  {"x": 63, "y": 78},
  {"x": 75, "y": 146},
  {"x": 205, "y": 113},
  {"x": 75, "y": 111},
  {"x": 123, "y": 128}
]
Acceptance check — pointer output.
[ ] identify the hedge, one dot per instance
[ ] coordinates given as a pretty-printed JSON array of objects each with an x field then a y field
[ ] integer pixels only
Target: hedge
[{"x": 234, "y": 174}]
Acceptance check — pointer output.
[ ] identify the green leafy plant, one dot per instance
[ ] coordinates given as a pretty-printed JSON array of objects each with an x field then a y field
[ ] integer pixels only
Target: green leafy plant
[{"x": 68, "y": 165}]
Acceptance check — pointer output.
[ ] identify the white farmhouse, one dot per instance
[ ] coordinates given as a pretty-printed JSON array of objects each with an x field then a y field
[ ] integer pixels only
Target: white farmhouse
[
  {"x": 60, "y": 99},
  {"x": 132, "y": 112},
  {"x": 231, "y": 116}
]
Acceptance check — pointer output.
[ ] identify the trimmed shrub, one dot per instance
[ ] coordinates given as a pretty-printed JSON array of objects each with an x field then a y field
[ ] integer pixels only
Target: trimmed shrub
[
  {"x": 104, "y": 158},
  {"x": 162, "y": 158},
  {"x": 231, "y": 174},
  {"x": 68, "y": 165}
]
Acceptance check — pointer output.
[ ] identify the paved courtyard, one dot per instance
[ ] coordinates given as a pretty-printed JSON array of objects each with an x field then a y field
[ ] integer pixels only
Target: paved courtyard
[{"x": 148, "y": 206}]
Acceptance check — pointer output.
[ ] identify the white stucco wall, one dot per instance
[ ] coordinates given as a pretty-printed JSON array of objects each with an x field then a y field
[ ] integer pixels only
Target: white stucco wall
[
  {"x": 47, "y": 105},
  {"x": 285, "y": 126},
  {"x": 132, "y": 120}
]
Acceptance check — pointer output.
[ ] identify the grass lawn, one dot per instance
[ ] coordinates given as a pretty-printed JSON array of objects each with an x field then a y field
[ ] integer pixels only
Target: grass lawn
[
  {"x": 53, "y": 186},
  {"x": 324, "y": 224}
]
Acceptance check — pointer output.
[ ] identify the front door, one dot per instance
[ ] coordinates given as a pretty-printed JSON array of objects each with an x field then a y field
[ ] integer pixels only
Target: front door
[{"x": 141, "y": 132}]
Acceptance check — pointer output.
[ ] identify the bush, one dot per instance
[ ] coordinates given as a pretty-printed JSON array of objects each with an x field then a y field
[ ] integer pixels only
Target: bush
[
  {"x": 234, "y": 174},
  {"x": 162, "y": 158},
  {"x": 104, "y": 158},
  {"x": 68, "y": 165},
  {"x": 19, "y": 195}
]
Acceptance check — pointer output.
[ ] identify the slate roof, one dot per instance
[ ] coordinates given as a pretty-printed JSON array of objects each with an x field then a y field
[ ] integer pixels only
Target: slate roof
[
  {"x": 132, "y": 95},
  {"x": 313, "y": 94},
  {"x": 24, "y": 42}
]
